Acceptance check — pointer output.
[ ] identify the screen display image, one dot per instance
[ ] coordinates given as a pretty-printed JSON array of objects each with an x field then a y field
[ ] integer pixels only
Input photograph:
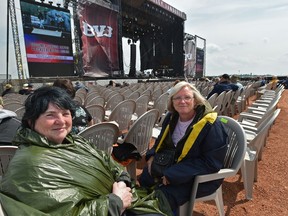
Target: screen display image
[{"x": 48, "y": 42}]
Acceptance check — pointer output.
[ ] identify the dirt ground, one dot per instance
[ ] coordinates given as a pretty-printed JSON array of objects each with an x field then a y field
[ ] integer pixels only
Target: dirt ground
[{"x": 270, "y": 193}]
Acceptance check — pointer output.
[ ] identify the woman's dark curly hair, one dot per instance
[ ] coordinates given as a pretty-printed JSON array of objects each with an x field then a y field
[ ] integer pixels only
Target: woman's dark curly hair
[{"x": 37, "y": 103}]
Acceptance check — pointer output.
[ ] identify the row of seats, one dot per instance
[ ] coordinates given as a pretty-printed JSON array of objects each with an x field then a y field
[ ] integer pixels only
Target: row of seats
[
  {"x": 250, "y": 130},
  {"x": 256, "y": 122}
]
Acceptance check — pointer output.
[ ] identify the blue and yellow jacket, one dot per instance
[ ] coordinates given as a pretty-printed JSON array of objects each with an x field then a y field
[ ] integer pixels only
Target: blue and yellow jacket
[{"x": 201, "y": 150}]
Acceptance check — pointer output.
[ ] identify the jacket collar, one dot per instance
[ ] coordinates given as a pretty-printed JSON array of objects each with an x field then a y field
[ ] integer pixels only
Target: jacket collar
[{"x": 26, "y": 136}]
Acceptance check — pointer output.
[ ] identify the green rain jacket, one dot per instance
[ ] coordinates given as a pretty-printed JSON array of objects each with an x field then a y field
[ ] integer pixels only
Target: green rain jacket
[{"x": 72, "y": 178}]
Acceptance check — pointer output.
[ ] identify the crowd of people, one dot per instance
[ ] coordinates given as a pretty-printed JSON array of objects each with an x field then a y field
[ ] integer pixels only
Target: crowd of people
[{"x": 57, "y": 172}]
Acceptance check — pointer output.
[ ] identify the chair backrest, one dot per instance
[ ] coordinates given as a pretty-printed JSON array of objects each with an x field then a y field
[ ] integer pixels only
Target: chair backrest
[
  {"x": 259, "y": 141},
  {"x": 97, "y": 112},
  {"x": 140, "y": 132},
  {"x": 97, "y": 100},
  {"x": 20, "y": 112},
  {"x": 219, "y": 101},
  {"x": 78, "y": 99},
  {"x": 102, "y": 135},
  {"x": 114, "y": 101},
  {"x": 161, "y": 103},
  {"x": 142, "y": 104},
  {"x": 122, "y": 114},
  {"x": 134, "y": 95},
  {"x": 156, "y": 94},
  {"x": 225, "y": 101},
  {"x": 237, "y": 143},
  {"x": 126, "y": 93},
  {"x": 212, "y": 99},
  {"x": 205, "y": 91},
  {"x": 13, "y": 106},
  {"x": 6, "y": 154},
  {"x": 90, "y": 95}
]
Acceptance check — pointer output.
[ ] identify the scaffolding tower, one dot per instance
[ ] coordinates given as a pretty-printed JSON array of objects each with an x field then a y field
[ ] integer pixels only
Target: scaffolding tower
[
  {"x": 76, "y": 41},
  {"x": 12, "y": 11}
]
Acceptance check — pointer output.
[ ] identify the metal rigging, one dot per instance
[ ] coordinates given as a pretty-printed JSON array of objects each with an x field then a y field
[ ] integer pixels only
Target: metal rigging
[
  {"x": 15, "y": 34},
  {"x": 77, "y": 57}
]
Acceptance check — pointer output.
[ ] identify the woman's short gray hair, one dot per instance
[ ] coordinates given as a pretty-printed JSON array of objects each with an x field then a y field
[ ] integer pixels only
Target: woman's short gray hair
[{"x": 198, "y": 98}]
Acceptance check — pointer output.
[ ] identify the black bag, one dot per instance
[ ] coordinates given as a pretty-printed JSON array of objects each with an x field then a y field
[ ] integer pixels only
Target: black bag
[
  {"x": 124, "y": 152},
  {"x": 162, "y": 160}
]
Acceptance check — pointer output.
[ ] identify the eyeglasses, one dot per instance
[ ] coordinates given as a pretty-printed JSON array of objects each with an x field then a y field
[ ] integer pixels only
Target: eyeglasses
[{"x": 185, "y": 98}]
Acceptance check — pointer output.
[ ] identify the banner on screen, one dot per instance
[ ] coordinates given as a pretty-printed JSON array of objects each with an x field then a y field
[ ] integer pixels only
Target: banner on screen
[
  {"x": 47, "y": 36},
  {"x": 199, "y": 63},
  {"x": 189, "y": 61},
  {"x": 99, "y": 28}
]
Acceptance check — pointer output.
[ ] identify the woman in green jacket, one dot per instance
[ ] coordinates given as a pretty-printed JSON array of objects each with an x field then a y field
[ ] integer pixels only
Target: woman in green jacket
[{"x": 57, "y": 173}]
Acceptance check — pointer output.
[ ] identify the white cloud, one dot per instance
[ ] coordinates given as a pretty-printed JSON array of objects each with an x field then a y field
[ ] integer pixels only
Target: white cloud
[
  {"x": 241, "y": 35},
  {"x": 213, "y": 48}
]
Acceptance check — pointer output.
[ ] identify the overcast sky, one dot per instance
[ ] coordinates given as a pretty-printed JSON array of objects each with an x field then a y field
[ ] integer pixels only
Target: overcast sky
[
  {"x": 249, "y": 36},
  {"x": 242, "y": 37}
]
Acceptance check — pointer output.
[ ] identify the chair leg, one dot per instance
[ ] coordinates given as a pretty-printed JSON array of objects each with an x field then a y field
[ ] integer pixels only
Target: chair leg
[
  {"x": 183, "y": 210},
  {"x": 219, "y": 201},
  {"x": 250, "y": 172}
]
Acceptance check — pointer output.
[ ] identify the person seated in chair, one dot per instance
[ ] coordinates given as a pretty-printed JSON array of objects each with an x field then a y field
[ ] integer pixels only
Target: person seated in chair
[
  {"x": 9, "y": 125},
  {"x": 55, "y": 172},
  {"x": 223, "y": 85},
  {"x": 195, "y": 139}
]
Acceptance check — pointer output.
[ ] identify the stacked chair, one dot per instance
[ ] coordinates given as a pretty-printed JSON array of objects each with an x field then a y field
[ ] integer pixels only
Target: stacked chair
[{"x": 256, "y": 122}]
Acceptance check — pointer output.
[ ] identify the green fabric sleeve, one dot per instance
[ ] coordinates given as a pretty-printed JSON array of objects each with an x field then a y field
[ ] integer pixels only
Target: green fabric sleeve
[{"x": 115, "y": 205}]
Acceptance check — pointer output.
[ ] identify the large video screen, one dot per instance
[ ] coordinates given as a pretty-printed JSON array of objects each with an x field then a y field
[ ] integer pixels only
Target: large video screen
[{"x": 48, "y": 42}]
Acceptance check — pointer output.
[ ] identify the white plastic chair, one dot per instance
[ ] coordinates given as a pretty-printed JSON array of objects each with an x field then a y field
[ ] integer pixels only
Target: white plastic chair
[
  {"x": 219, "y": 102},
  {"x": 122, "y": 114},
  {"x": 212, "y": 99},
  {"x": 13, "y": 106},
  {"x": 97, "y": 112},
  {"x": 253, "y": 154},
  {"x": 6, "y": 154},
  {"x": 114, "y": 101},
  {"x": 161, "y": 105},
  {"x": 233, "y": 161},
  {"x": 140, "y": 135},
  {"x": 97, "y": 100},
  {"x": 141, "y": 104},
  {"x": 102, "y": 135}
]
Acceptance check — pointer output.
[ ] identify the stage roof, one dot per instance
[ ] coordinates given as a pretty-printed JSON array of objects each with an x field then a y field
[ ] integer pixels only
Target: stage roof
[{"x": 148, "y": 17}]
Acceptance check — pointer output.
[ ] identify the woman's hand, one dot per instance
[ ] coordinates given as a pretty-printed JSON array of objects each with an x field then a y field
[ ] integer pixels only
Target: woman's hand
[
  {"x": 120, "y": 189},
  {"x": 149, "y": 163},
  {"x": 165, "y": 181}
]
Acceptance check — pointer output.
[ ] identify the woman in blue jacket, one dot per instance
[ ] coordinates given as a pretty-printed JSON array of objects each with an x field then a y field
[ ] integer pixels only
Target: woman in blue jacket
[{"x": 192, "y": 131}]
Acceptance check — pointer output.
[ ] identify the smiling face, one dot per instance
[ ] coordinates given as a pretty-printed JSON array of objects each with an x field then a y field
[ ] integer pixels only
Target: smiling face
[
  {"x": 183, "y": 102},
  {"x": 54, "y": 123}
]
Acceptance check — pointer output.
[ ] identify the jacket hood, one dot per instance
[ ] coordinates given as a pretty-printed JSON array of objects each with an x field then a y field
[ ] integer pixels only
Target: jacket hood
[{"x": 6, "y": 114}]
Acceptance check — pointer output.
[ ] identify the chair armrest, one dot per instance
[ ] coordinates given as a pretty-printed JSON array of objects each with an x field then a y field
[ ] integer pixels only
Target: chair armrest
[
  {"x": 259, "y": 108},
  {"x": 248, "y": 127},
  {"x": 259, "y": 104},
  {"x": 247, "y": 115},
  {"x": 223, "y": 173}
]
